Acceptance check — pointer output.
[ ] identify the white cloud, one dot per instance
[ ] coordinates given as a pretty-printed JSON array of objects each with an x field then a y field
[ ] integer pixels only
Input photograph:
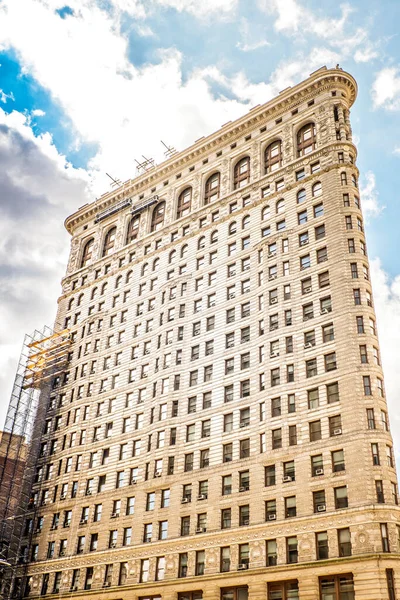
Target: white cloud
[
  {"x": 370, "y": 196},
  {"x": 386, "y": 89},
  {"x": 396, "y": 150},
  {"x": 366, "y": 54},
  {"x": 38, "y": 113},
  {"x": 253, "y": 37},
  {"x": 203, "y": 8},
  {"x": 4, "y": 97},
  {"x": 38, "y": 189},
  {"x": 387, "y": 307}
]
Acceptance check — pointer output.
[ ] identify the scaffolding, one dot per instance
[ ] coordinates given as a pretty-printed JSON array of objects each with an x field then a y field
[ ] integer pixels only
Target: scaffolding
[{"x": 44, "y": 357}]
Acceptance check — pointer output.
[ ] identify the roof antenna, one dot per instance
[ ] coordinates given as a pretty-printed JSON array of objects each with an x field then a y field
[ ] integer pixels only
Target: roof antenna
[
  {"x": 170, "y": 150},
  {"x": 115, "y": 182},
  {"x": 145, "y": 165}
]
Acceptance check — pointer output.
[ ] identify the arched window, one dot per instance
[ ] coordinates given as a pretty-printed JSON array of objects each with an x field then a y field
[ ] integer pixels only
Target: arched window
[
  {"x": 184, "y": 251},
  {"x": 265, "y": 213},
  {"x": 201, "y": 243},
  {"x": 172, "y": 255},
  {"x": 157, "y": 220},
  {"x": 306, "y": 139},
  {"x": 184, "y": 203},
  {"x": 317, "y": 189},
  {"x": 94, "y": 293},
  {"x": 273, "y": 156},
  {"x": 103, "y": 288},
  {"x": 118, "y": 281},
  {"x": 280, "y": 206},
  {"x": 129, "y": 276},
  {"x": 214, "y": 237},
  {"x": 232, "y": 228},
  {"x": 241, "y": 173},
  {"x": 87, "y": 252},
  {"x": 71, "y": 303},
  {"x": 301, "y": 196},
  {"x": 246, "y": 222},
  {"x": 133, "y": 229},
  {"x": 145, "y": 268},
  {"x": 211, "y": 191},
  {"x": 80, "y": 298},
  {"x": 109, "y": 241},
  {"x": 156, "y": 264}
]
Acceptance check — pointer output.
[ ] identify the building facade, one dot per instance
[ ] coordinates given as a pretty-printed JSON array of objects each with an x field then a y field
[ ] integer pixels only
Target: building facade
[{"x": 221, "y": 429}]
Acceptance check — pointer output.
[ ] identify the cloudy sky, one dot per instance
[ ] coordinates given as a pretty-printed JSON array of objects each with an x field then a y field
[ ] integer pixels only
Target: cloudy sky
[{"x": 89, "y": 86}]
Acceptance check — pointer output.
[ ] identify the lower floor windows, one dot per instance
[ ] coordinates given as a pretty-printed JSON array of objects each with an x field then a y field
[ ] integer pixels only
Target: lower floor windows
[
  {"x": 283, "y": 590},
  {"x": 337, "y": 587},
  {"x": 190, "y": 595},
  {"x": 236, "y": 593}
]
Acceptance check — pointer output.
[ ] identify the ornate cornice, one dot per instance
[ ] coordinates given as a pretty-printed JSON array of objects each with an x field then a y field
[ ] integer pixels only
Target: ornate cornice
[{"x": 322, "y": 80}]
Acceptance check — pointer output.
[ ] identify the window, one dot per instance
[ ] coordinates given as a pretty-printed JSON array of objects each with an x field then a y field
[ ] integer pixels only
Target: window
[
  {"x": 241, "y": 173},
  {"x": 337, "y": 587},
  {"x": 184, "y": 203},
  {"x": 236, "y": 593},
  {"x": 109, "y": 241},
  {"x": 338, "y": 461},
  {"x": 273, "y": 156},
  {"x": 270, "y": 475},
  {"x": 157, "y": 220},
  {"x": 183, "y": 562},
  {"x": 87, "y": 252},
  {"x": 341, "y": 499},
  {"x": 291, "y": 550},
  {"x": 306, "y": 139},
  {"x": 200, "y": 562},
  {"x": 283, "y": 590},
  {"x": 344, "y": 541},
  {"x": 212, "y": 188},
  {"x": 315, "y": 431}
]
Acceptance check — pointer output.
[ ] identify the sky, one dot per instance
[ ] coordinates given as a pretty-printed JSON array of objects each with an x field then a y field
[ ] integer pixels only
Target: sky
[{"x": 89, "y": 86}]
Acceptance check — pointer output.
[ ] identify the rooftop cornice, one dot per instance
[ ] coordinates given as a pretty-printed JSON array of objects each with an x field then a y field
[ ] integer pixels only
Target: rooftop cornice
[{"x": 318, "y": 81}]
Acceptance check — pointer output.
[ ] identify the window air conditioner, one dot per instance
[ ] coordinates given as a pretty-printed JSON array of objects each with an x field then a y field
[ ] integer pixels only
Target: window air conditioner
[
  {"x": 337, "y": 431},
  {"x": 185, "y": 500},
  {"x": 319, "y": 471},
  {"x": 202, "y": 497},
  {"x": 287, "y": 479},
  {"x": 321, "y": 508},
  {"x": 243, "y": 566},
  {"x": 308, "y": 345},
  {"x": 201, "y": 529},
  {"x": 325, "y": 311},
  {"x": 272, "y": 517},
  {"x": 274, "y": 300}
]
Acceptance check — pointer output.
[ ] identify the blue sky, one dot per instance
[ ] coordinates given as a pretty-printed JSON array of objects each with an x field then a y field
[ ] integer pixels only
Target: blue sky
[{"x": 87, "y": 86}]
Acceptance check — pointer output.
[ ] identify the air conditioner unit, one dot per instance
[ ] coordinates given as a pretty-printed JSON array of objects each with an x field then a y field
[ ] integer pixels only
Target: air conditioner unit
[
  {"x": 88, "y": 492},
  {"x": 287, "y": 479},
  {"x": 169, "y": 342},
  {"x": 133, "y": 481},
  {"x": 158, "y": 473},
  {"x": 243, "y": 424},
  {"x": 83, "y": 522},
  {"x": 63, "y": 496},
  {"x": 272, "y": 277},
  {"x": 244, "y": 488},
  {"x": 272, "y": 517},
  {"x": 106, "y": 584},
  {"x": 62, "y": 553},
  {"x": 271, "y": 254},
  {"x": 74, "y": 588},
  {"x": 201, "y": 529},
  {"x": 44, "y": 502},
  {"x": 245, "y": 522},
  {"x": 274, "y": 354},
  {"x": 337, "y": 431},
  {"x": 308, "y": 317},
  {"x": 243, "y": 566},
  {"x": 274, "y": 300},
  {"x": 303, "y": 242},
  {"x": 231, "y": 296},
  {"x": 145, "y": 375},
  {"x": 185, "y": 500},
  {"x": 319, "y": 471},
  {"x": 53, "y": 527},
  {"x": 114, "y": 515},
  {"x": 321, "y": 507},
  {"x": 308, "y": 345},
  {"x": 325, "y": 311},
  {"x": 113, "y": 545},
  {"x": 307, "y": 289},
  {"x": 202, "y": 497}
]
